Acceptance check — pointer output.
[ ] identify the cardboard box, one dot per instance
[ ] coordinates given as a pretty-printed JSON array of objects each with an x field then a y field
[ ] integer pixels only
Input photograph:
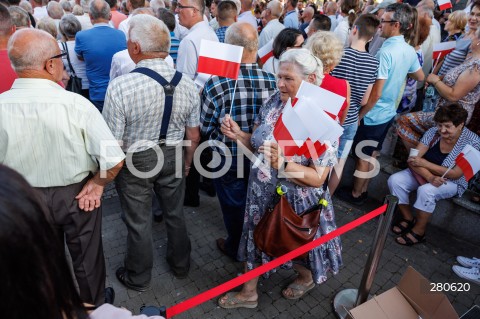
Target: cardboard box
[{"x": 410, "y": 299}]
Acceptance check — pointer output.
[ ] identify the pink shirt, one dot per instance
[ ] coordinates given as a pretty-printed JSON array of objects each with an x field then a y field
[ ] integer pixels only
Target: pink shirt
[
  {"x": 117, "y": 17},
  {"x": 7, "y": 76}
]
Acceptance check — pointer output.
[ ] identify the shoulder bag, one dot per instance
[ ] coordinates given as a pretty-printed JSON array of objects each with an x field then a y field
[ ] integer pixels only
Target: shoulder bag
[{"x": 75, "y": 83}]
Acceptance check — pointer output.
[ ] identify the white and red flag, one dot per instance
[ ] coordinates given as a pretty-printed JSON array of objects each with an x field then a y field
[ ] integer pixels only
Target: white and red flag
[
  {"x": 444, "y": 4},
  {"x": 328, "y": 101},
  {"x": 266, "y": 52},
  {"x": 469, "y": 161},
  {"x": 220, "y": 59},
  {"x": 442, "y": 49},
  {"x": 288, "y": 131}
]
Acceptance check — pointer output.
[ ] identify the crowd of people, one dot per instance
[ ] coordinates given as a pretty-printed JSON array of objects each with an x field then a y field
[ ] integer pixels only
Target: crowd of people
[{"x": 95, "y": 91}]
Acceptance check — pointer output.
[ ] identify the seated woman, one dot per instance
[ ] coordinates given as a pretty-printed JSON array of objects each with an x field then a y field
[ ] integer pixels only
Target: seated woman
[
  {"x": 37, "y": 280},
  {"x": 287, "y": 39},
  {"x": 437, "y": 151},
  {"x": 461, "y": 84},
  {"x": 303, "y": 193}
]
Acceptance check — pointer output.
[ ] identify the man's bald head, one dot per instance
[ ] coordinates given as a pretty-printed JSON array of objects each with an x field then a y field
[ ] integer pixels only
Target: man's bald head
[
  {"x": 242, "y": 34},
  {"x": 307, "y": 14},
  {"x": 55, "y": 10},
  {"x": 331, "y": 8},
  {"x": 29, "y": 49},
  {"x": 99, "y": 10}
]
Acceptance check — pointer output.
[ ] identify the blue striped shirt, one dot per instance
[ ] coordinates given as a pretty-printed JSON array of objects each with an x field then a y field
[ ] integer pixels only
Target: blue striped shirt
[
  {"x": 221, "y": 34},
  {"x": 466, "y": 138},
  {"x": 360, "y": 70},
  {"x": 174, "y": 43}
]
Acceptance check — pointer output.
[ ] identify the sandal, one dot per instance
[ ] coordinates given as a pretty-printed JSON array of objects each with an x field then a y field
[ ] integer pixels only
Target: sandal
[
  {"x": 298, "y": 290},
  {"x": 408, "y": 242},
  {"x": 403, "y": 229},
  {"x": 233, "y": 302}
]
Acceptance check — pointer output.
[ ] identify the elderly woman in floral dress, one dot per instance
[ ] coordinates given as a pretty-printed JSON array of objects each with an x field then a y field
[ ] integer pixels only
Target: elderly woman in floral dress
[{"x": 303, "y": 193}]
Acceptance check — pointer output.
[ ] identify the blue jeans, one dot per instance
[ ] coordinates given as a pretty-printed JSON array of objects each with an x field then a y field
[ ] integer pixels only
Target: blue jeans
[
  {"x": 232, "y": 195},
  {"x": 348, "y": 135}
]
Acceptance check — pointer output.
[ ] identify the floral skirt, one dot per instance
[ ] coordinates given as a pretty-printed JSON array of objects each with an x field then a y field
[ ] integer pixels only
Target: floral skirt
[{"x": 411, "y": 127}]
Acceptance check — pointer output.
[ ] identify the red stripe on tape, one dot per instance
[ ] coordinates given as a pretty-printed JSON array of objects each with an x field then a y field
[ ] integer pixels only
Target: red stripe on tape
[{"x": 229, "y": 285}]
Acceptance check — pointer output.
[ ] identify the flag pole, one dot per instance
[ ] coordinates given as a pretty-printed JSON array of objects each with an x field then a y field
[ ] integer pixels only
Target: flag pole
[
  {"x": 233, "y": 98},
  {"x": 448, "y": 169},
  {"x": 436, "y": 62}
]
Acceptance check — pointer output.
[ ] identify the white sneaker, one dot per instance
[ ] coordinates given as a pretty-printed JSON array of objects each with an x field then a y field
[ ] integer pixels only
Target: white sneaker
[
  {"x": 469, "y": 262},
  {"x": 472, "y": 274}
]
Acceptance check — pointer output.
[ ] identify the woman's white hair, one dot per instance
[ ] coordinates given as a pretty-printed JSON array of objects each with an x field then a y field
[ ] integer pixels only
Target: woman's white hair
[
  {"x": 305, "y": 61},
  {"x": 31, "y": 55},
  {"x": 150, "y": 33}
]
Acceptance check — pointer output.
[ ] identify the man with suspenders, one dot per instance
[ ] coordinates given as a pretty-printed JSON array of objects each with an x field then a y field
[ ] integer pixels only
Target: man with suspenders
[{"x": 150, "y": 110}]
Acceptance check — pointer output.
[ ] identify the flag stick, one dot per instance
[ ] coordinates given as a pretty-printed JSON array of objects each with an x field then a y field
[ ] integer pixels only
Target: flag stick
[
  {"x": 233, "y": 98},
  {"x": 436, "y": 62},
  {"x": 448, "y": 169}
]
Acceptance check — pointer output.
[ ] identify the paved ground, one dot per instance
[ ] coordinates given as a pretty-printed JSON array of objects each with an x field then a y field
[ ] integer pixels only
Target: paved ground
[{"x": 210, "y": 268}]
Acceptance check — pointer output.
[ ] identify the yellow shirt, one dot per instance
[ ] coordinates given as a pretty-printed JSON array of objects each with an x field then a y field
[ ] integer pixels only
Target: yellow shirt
[{"x": 51, "y": 136}]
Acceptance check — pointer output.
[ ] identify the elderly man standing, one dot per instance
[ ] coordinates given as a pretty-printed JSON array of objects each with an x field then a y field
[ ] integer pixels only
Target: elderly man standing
[
  {"x": 97, "y": 47},
  {"x": 253, "y": 87},
  {"x": 397, "y": 60},
  {"x": 190, "y": 15},
  {"x": 272, "y": 13},
  {"x": 152, "y": 118},
  {"x": 55, "y": 139}
]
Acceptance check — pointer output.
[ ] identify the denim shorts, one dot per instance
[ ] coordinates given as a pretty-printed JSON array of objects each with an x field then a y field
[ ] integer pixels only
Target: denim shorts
[{"x": 346, "y": 140}]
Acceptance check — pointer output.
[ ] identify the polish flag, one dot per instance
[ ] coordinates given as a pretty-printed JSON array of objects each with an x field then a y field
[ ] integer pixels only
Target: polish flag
[
  {"x": 220, "y": 59},
  {"x": 469, "y": 161},
  {"x": 266, "y": 52},
  {"x": 443, "y": 48},
  {"x": 444, "y": 4},
  {"x": 289, "y": 129},
  {"x": 319, "y": 97}
]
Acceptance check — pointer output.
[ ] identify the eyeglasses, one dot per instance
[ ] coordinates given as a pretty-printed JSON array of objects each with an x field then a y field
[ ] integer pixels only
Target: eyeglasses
[
  {"x": 61, "y": 55},
  {"x": 180, "y": 7},
  {"x": 388, "y": 21}
]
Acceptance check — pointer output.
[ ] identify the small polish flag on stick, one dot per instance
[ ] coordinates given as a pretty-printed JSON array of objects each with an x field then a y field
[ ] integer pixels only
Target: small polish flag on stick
[
  {"x": 444, "y": 4},
  {"x": 220, "y": 59},
  {"x": 443, "y": 48},
  {"x": 266, "y": 52},
  {"x": 469, "y": 161},
  {"x": 324, "y": 99}
]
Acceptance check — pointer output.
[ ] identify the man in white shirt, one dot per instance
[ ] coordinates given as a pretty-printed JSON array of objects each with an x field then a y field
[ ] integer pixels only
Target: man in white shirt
[
  {"x": 131, "y": 5},
  {"x": 246, "y": 14},
  {"x": 190, "y": 15},
  {"x": 39, "y": 9},
  {"x": 62, "y": 137},
  {"x": 291, "y": 14},
  {"x": 331, "y": 12},
  {"x": 273, "y": 27}
]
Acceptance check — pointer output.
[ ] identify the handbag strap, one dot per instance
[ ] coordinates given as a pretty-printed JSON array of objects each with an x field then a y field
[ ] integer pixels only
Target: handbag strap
[{"x": 65, "y": 48}]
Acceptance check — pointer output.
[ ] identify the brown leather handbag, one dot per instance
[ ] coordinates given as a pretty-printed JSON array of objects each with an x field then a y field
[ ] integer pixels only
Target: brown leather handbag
[{"x": 281, "y": 230}]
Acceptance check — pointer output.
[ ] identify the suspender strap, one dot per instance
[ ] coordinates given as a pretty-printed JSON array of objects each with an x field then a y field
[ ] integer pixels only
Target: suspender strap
[{"x": 169, "y": 89}]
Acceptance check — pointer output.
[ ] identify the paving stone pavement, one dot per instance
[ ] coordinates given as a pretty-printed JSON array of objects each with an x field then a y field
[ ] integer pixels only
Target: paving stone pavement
[{"x": 210, "y": 268}]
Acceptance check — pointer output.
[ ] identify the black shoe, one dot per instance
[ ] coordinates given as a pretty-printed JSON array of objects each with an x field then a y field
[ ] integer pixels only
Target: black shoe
[
  {"x": 345, "y": 194},
  {"x": 191, "y": 203},
  {"x": 180, "y": 275},
  {"x": 158, "y": 218},
  {"x": 121, "y": 272},
  {"x": 109, "y": 295}
]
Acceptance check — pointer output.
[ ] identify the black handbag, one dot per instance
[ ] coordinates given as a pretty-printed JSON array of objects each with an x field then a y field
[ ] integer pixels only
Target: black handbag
[{"x": 75, "y": 83}]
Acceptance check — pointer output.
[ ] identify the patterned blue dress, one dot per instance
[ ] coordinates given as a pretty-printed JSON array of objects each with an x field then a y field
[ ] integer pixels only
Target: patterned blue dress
[{"x": 260, "y": 196}]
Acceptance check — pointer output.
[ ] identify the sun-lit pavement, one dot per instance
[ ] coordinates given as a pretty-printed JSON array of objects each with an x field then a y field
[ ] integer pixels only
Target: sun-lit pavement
[{"x": 210, "y": 268}]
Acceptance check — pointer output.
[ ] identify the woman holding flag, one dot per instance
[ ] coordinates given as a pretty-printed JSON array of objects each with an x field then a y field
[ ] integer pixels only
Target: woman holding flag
[
  {"x": 436, "y": 172},
  {"x": 302, "y": 192}
]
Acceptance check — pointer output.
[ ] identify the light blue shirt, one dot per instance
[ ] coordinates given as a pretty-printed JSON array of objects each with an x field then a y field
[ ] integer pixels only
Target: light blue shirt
[
  {"x": 397, "y": 58},
  {"x": 291, "y": 19}
]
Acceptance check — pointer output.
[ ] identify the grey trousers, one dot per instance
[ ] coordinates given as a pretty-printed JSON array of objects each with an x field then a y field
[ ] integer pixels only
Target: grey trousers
[
  {"x": 83, "y": 236},
  {"x": 136, "y": 200}
]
